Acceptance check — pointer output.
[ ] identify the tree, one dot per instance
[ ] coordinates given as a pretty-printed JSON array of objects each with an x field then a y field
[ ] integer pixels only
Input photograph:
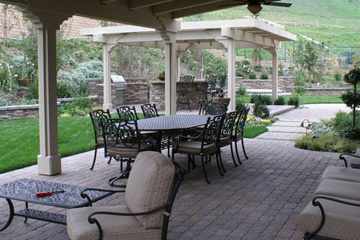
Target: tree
[
  {"x": 308, "y": 56},
  {"x": 352, "y": 99}
]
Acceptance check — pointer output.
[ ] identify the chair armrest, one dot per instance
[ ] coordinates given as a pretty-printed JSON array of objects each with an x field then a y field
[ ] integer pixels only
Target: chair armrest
[
  {"x": 93, "y": 220},
  {"x": 85, "y": 195},
  {"x": 342, "y": 157},
  {"x": 317, "y": 203}
]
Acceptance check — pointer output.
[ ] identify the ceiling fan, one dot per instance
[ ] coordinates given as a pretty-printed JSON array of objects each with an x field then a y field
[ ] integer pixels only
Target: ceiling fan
[{"x": 254, "y": 6}]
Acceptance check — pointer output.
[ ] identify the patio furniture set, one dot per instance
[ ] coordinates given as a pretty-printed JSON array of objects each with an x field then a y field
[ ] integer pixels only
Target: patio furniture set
[
  {"x": 195, "y": 135},
  {"x": 131, "y": 140}
]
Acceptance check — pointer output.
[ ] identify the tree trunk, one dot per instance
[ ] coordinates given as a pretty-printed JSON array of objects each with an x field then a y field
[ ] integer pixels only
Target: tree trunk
[{"x": 354, "y": 107}]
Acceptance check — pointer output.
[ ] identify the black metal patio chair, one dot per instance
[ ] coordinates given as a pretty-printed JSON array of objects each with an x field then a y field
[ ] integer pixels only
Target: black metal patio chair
[
  {"x": 96, "y": 117},
  {"x": 238, "y": 134},
  {"x": 211, "y": 85},
  {"x": 203, "y": 145},
  {"x": 149, "y": 110},
  {"x": 211, "y": 108},
  {"x": 127, "y": 113},
  {"x": 226, "y": 133},
  {"x": 123, "y": 142},
  {"x": 184, "y": 88}
]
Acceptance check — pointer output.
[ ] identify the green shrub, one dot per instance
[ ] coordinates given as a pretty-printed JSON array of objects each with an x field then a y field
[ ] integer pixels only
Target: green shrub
[
  {"x": 64, "y": 89},
  {"x": 263, "y": 99},
  {"x": 3, "y": 101},
  {"x": 280, "y": 101},
  {"x": 240, "y": 106},
  {"x": 299, "y": 90},
  {"x": 321, "y": 128},
  {"x": 241, "y": 91},
  {"x": 261, "y": 110},
  {"x": 264, "y": 76},
  {"x": 252, "y": 76},
  {"x": 337, "y": 76},
  {"x": 33, "y": 90},
  {"x": 327, "y": 142},
  {"x": 294, "y": 100},
  {"x": 80, "y": 107},
  {"x": 258, "y": 68}
]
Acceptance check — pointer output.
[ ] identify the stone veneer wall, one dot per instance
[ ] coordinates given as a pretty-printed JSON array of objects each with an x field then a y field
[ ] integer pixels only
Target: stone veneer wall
[
  {"x": 157, "y": 94},
  {"x": 326, "y": 91},
  {"x": 19, "y": 112},
  {"x": 286, "y": 84},
  {"x": 136, "y": 92}
]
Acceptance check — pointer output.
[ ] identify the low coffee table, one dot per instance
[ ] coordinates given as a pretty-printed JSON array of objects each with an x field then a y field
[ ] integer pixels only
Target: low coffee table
[{"x": 25, "y": 189}]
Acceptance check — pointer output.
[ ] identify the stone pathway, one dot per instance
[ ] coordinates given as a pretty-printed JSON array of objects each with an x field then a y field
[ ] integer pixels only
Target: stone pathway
[{"x": 288, "y": 127}]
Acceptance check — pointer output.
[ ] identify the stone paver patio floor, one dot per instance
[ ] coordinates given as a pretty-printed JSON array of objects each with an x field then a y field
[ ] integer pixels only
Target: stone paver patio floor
[{"x": 260, "y": 199}]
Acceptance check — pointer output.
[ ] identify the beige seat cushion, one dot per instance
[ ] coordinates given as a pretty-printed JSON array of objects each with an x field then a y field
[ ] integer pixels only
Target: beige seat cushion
[
  {"x": 341, "y": 173},
  {"x": 342, "y": 221},
  {"x": 149, "y": 186},
  {"x": 339, "y": 188},
  {"x": 114, "y": 227},
  {"x": 127, "y": 152},
  {"x": 194, "y": 147}
]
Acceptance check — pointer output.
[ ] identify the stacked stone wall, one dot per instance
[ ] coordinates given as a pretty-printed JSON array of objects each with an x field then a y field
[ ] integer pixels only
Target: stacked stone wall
[
  {"x": 13, "y": 25},
  {"x": 136, "y": 92},
  {"x": 286, "y": 84}
]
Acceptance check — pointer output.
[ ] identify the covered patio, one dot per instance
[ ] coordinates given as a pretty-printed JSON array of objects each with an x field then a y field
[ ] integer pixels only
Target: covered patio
[{"x": 260, "y": 199}]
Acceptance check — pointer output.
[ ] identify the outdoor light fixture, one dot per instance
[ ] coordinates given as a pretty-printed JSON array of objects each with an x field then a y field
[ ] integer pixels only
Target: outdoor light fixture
[{"x": 254, "y": 8}]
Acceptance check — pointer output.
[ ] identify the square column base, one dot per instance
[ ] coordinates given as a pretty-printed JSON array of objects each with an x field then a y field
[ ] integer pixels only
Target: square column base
[
  {"x": 50, "y": 165},
  {"x": 107, "y": 106}
]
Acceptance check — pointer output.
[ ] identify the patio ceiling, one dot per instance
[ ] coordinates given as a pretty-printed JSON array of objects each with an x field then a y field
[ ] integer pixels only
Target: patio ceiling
[{"x": 157, "y": 14}]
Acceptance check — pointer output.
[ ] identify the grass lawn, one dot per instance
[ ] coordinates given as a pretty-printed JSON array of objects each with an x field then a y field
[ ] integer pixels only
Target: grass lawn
[
  {"x": 254, "y": 131},
  {"x": 19, "y": 142},
  {"x": 316, "y": 99},
  {"x": 309, "y": 99}
]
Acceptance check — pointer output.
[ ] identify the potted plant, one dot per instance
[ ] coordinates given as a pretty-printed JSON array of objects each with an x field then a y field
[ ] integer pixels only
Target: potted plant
[{"x": 162, "y": 76}]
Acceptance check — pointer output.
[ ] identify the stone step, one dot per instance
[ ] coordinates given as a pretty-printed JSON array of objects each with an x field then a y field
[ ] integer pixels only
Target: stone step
[
  {"x": 274, "y": 128},
  {"x": 280, "y": 136}
]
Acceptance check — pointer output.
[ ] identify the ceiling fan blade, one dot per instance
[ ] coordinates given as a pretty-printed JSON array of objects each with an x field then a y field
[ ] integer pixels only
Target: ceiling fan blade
[{"x": 278, "y": 4}]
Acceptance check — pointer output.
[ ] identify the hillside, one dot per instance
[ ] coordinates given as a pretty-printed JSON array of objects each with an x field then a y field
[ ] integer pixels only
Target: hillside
[{"x": 334, "y": 22}]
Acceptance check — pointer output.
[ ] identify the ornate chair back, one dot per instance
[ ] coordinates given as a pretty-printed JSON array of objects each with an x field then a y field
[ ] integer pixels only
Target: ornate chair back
[
  {"x": 240, "y": 124},
  {"x": 127, "y": 113},
  {"x": 96, "y": 117},
  {"x": 122, "y": 138},
  {"x": 149, "y": 110}
]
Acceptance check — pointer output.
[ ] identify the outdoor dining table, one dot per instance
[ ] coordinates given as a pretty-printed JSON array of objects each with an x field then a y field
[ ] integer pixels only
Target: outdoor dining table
[{"x": 171, "y": 124}]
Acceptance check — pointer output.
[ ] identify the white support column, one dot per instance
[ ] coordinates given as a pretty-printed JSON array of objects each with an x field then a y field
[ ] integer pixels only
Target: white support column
[
  {"x": 275, "y": 66},
  {"x": 229, "y": 44},
  {"x": 107, "y": 104},
  {"x": 171, "y": 72},
  {"x": 49, "y": 160}
]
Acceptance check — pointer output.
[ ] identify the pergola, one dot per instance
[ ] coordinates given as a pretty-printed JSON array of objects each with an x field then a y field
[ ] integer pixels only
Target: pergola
[
  {"x": 47, "y": 17},
  {"x": 228, "y": 34}
]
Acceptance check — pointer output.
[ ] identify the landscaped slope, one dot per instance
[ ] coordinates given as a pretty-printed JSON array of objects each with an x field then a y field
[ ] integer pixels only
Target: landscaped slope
[{"x": 334, "y": 22}]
